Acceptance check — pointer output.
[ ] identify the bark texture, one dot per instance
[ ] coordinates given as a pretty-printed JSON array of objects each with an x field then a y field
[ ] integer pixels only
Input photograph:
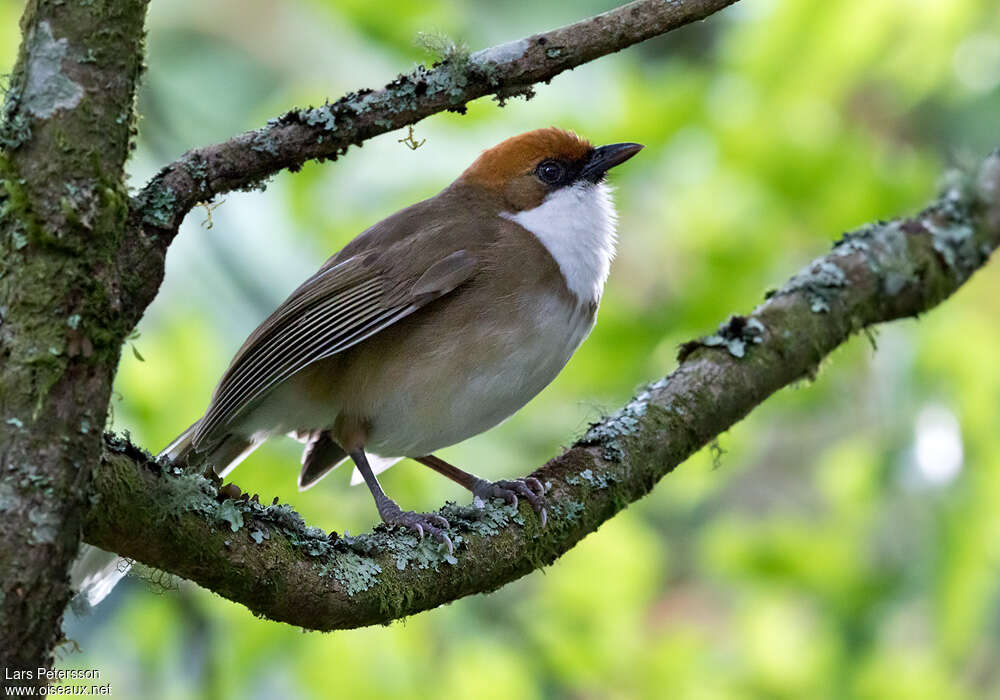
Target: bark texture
[{"x": 63, "y": 205}]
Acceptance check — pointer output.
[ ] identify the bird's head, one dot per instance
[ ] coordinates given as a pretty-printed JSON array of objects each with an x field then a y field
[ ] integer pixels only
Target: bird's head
[
  {"x": 551, "y": 183},
  {"x": 526, "y": 169}
]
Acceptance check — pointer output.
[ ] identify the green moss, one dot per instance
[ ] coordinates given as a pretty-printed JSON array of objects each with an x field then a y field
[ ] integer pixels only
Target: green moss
[{"x": 16, "y": 210}]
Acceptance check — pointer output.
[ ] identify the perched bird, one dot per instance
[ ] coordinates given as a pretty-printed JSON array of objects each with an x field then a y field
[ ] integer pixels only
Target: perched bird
[{"x": 433, "y": 325}]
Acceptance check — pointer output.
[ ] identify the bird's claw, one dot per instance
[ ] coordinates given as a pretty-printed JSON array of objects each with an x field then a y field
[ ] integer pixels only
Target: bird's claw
[
  {"x": 529, "y": 488},
  {"x": 419, "y": 522}
]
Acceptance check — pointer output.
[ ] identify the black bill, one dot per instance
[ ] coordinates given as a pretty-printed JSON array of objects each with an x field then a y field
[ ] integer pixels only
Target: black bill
[{"x": 606, "y": 157}]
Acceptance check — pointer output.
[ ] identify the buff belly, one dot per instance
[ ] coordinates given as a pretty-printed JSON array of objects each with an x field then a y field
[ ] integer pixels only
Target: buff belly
[{"x": 465, "y": 388}]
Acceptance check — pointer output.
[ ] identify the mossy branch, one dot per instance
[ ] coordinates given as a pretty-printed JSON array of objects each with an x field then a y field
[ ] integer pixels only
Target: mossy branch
[{"x": 269, "y": 560}]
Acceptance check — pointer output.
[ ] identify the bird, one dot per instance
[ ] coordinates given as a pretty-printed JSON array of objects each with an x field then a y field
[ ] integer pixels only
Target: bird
[{"x": 431, "y": 326}]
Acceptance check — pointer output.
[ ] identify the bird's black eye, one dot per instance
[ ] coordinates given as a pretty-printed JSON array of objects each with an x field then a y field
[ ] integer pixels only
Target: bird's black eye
[{"x": 550, "y": 171}]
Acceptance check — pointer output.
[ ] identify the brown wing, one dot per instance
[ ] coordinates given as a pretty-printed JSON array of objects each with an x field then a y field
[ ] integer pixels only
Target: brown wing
[{"x": 338, "y": 307}]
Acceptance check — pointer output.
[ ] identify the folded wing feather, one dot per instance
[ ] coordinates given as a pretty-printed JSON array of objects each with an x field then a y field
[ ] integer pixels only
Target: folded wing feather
[{"x": 338, "y": 307}]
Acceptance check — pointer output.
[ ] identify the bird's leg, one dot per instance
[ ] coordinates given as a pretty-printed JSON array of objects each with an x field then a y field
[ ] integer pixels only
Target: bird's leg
[
  {"x": 392, "y": 514},
  {"x": 528, "y": 487}
]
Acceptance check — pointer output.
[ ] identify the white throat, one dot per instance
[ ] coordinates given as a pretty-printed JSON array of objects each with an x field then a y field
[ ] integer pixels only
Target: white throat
[{"x": 577, "y": 226}]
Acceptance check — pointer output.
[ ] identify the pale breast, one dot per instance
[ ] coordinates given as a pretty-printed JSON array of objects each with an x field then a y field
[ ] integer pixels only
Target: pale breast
[{"x": 450, "y": 391}]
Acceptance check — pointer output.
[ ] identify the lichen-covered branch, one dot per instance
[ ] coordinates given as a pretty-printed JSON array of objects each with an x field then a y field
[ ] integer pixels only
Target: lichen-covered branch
[
  {"x": 65, "y": 136},
  {"x": 266, "y": 558},
  {"x": 326, "y": 132}
]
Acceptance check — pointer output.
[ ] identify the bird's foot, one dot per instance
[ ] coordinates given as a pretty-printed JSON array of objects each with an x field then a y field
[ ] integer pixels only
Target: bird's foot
[
  {"x": 432, "y": 523},
  {"x": 529, "y": 488}
]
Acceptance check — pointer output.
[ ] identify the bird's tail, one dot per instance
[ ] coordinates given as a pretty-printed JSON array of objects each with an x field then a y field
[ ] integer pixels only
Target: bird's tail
[
  {"x": 95, "y": 572},
  {"x": 180, "y": 447}
]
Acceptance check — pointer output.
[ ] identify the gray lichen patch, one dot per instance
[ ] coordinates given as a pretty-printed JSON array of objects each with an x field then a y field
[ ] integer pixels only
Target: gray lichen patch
[
  {"x": 283, "y": 518},
  {"x": 887, "y": 253},
  {"x": 734, "y": 336},
  {"x": 157, "y": 206},
  {"x": 263, "y": 140},
  {"x": 568, "y": 512},
  {"x": 323, "y": 117},
  {"x": 598, "y": 480},
  {"x": 355, "y": 572},
  {"x": 954, "y": 243},
  {"x": 45, "y": 526},
  {"x": 819, "y": 281},
  {"x": 426, "y": 553},
  {"x": 950, "y": 223},
  {"x": 407, "y": 550},
  {"x": 504, "y": 53},
  {"x": 230, "y": 513},
  {"x": 610, "y": 432},
  {"x": 895, "y": 264},
  {"x": 16, "y": 129},
  {"x": 485, "y": 519},
  {"x": 191, "y": 492},
  {"x": 47, "y": 88}
]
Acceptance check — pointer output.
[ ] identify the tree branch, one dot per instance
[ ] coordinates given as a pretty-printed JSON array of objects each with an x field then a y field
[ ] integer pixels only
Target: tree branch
[
  {"x": 326, "y": 132},
  {"x": 269, "y": 560}
]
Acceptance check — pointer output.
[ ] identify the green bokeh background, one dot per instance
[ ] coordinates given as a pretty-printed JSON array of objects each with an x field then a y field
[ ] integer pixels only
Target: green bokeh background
[{"x": 845, "y": 541}]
